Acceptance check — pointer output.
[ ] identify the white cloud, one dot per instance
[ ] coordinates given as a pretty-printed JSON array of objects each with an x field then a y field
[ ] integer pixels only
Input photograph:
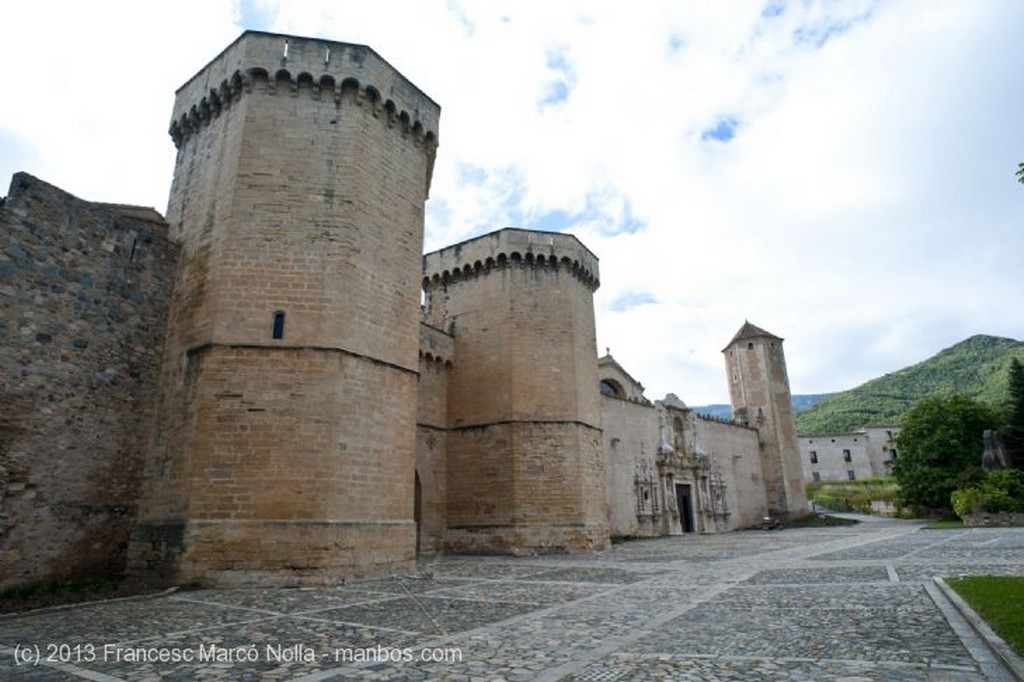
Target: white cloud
[
  {"x": 865, "y": 208},
  {"x": 89, "y": 88}
]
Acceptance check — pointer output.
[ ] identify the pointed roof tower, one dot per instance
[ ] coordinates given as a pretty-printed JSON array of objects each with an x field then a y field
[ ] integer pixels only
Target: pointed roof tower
[
  {"x": 760, "y": 396},
  {"x": 751, "y": 331}
]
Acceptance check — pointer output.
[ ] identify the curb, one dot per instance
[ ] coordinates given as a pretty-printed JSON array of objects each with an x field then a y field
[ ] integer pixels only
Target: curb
[{"x": 1014, "y": 664}]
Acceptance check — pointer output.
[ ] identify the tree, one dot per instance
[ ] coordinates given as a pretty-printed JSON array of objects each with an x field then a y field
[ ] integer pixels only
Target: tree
[
  {"x": 1013, "y": 432},
  {"x": 938, "y": 443},
  {"x": 1020, "y": 173}
]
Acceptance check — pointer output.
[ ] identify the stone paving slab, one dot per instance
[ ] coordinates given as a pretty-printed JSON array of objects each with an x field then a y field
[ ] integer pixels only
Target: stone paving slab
[
  {"x": 805, "y": 576},
  {"x": 849, "y": 603},
  {"x": 872, "y": 629},
  {"x": 634, "y": 667},
  {"x": 538, "y": 594},
  {"x": 281, "y": 601},
  {"x": 925, "y": 570}
]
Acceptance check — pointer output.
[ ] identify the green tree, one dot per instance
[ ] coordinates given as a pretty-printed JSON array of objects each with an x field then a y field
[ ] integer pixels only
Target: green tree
[
  {"x": 1013, "y": 432},
  {"x": 938, "y": 443},
  {"x": 1020, "y": 173}
]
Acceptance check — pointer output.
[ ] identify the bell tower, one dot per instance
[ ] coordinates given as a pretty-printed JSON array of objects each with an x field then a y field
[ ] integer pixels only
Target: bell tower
[
  {"x": 284, "y": 448},
  {"x": 760, "y": 397}
]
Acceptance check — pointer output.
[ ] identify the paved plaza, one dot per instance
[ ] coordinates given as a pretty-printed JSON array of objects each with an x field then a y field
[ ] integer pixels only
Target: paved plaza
[{"x": 849, "y": 603}]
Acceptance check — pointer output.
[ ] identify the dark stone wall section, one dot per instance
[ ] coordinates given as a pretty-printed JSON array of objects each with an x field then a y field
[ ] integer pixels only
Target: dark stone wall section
[{"x": 84, "y": 291}]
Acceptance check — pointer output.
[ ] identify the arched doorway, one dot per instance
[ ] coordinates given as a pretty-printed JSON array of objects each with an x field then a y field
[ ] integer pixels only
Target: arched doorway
[{"x": 684, "y": 502}]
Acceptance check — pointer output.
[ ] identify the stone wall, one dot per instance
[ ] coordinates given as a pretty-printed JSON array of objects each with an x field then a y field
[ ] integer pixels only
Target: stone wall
[
  {"x": 436, "y": 353},
  {"x": 993, "y": 520},
  {"x": 84, "y": 291},
  {"x": 630, "y": 431},
  {"x": 736, "y": 450}
]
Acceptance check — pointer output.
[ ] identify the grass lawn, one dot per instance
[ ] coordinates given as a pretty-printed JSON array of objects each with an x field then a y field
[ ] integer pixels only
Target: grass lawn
[{"x": 1000, "y": 601}]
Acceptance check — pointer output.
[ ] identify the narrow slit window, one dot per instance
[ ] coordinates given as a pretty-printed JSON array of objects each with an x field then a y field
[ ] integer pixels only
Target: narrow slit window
[{"x": 278, "y": 332}]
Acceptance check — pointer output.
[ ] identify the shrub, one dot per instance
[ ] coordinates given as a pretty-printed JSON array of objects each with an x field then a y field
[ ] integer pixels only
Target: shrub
[
  {"x": 999, "y": 492},
  {"x": 852, "y": 496}
]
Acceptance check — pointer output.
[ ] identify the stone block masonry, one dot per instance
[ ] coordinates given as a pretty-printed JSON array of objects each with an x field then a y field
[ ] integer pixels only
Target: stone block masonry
[
  {"x": 525, "y": 463},
  {"x": 84, "y": 291},
  {"x": 286, "y": 445}
]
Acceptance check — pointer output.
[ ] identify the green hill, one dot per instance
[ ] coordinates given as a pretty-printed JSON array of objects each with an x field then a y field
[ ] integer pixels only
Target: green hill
[{"x": 976, "y": 367}]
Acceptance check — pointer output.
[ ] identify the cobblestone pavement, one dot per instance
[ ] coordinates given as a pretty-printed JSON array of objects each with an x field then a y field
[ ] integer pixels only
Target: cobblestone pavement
[{"x": 850, "y": 604}]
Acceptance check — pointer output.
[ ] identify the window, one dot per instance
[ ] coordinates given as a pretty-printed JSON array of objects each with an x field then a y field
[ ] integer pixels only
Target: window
[
  {"x": 892, "y": 454},
  {"x": 814, "y": 456},
  {"x": 850, "y": 475},
  {"x": 815, "y": 476},
  {"x": 610, "y": 388},
  {"x": 278, "y": 332},
  {"x": 847, "y": 457}
]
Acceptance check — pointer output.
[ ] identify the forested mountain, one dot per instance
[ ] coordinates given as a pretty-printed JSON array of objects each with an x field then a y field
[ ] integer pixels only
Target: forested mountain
[{"x": 976, "y": 367}]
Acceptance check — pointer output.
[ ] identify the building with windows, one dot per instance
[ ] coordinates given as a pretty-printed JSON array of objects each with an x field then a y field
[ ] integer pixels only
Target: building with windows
[{"x": 867, "y": 453}]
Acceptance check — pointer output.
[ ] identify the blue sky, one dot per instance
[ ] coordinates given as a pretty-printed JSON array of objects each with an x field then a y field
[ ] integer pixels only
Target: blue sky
[{"x": 839, "y": 173}]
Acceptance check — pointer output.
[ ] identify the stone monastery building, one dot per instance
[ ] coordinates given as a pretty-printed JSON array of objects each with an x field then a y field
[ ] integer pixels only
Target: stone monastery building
[{"x": 250, "y": 390}]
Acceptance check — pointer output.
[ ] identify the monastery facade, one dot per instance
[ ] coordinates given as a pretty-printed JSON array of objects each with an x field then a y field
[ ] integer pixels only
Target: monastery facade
[{"x": 251, "y": 391}]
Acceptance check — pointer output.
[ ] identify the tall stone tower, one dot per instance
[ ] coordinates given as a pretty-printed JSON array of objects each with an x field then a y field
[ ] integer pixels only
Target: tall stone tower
[
  {"x": 760, "y": 396},
  {"x": 285, "y": 447},
  {"x": 524, "y": 453}
]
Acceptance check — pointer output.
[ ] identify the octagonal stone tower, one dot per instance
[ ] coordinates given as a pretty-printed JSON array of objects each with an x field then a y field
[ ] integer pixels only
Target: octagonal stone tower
[
  {"x": 524, "y": 452},
  {"x": 285, "y": 446}
]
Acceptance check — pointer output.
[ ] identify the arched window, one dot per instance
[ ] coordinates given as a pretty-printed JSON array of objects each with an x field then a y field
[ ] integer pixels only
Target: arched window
[
  {"x": 610, "y": 388},
  {"x": 278, "y": 332}
]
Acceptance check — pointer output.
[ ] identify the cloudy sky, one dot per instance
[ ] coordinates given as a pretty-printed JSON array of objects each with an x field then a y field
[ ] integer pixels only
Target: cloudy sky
[{"x": 839, "y": 173}]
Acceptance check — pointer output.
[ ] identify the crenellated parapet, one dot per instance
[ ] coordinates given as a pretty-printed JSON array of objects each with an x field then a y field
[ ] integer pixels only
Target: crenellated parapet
[
  {"x": 511, "y": 248},
  {"x": 436, "y": 345},
  {"x": 342, "y": 73}
]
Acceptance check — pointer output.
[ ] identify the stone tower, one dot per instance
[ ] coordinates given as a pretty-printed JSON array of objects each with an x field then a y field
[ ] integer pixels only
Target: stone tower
[
  {"x": 759, "y": 392},
  {"x": 285, "y": 446},
  {"x": 524, "y": 453}
]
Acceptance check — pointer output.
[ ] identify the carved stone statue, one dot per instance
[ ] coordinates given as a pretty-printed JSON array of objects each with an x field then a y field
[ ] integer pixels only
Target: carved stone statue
[{"x": 994, "y": 457}]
